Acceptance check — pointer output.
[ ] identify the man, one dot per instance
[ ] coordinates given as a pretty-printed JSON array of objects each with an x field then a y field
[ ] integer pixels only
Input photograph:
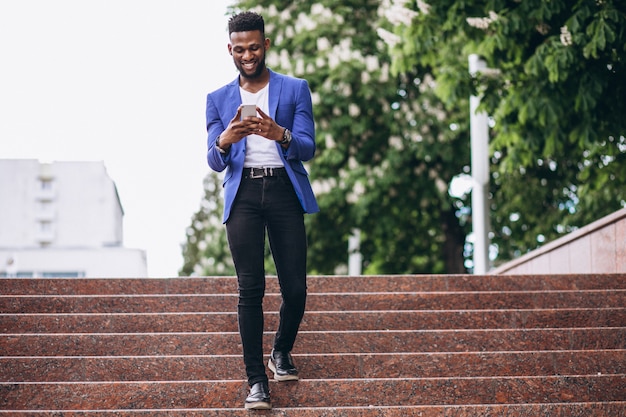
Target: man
[{"x": 266, "y": 187}]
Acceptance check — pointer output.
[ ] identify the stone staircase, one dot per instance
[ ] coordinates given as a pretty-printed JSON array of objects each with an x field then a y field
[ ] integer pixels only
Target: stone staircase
[{"x": 427, "y": 345}]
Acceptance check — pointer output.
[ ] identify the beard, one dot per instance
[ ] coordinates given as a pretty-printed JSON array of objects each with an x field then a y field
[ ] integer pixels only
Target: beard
[{"x": 257, "y": 72}]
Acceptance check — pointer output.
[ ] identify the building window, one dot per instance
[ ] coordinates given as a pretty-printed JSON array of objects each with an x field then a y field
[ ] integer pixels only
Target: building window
[
  {"x": 61, "y": 274},
  {"x": 45, "y": 184},
  {"x": 45, "y": 227},
  {"x": 21, "y": 274}
]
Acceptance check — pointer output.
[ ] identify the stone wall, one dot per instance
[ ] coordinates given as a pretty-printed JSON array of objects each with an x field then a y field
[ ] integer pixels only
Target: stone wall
[{"x": 599, "y": 247}]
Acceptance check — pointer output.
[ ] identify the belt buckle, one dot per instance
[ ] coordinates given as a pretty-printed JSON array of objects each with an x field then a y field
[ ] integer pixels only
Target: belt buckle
[{"x": 254, "y": 176}]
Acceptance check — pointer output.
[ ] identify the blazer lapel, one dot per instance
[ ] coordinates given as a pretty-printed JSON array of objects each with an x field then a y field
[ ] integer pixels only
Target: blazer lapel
[
  {"x": 276, "y": 84},
  {"x": 232, "y": 99}
]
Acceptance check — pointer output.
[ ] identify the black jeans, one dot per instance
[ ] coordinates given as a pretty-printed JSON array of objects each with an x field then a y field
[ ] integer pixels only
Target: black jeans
[{"x": 268, "y": 203}]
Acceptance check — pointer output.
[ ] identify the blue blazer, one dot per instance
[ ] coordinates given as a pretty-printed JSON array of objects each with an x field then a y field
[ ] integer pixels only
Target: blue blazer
[{"x": 290, "y": 106}]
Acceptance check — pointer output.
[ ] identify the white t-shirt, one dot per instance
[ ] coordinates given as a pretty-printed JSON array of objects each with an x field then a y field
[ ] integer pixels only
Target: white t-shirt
[{"x": 260, "y": 151}]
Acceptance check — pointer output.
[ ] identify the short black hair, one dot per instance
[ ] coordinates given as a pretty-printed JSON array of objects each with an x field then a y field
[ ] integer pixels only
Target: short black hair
[{"x": 246, "y": 22}]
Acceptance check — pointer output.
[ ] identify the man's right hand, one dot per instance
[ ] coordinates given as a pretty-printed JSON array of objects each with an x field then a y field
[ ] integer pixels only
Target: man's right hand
[{"x": 237, "y": 129}]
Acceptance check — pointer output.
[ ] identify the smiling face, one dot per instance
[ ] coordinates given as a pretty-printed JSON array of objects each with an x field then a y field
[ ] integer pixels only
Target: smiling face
[{"x": 248, "y": 51}]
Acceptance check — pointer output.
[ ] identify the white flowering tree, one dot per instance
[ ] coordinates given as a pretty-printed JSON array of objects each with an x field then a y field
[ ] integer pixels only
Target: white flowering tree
[
  {"x": 386, "y": 153},
  {"x": 205, "y": 252},
  {"x": 558, "y": 102}
]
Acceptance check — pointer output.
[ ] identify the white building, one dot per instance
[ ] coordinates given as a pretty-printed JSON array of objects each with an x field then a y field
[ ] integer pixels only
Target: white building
[{"x": 62, "y": 219}]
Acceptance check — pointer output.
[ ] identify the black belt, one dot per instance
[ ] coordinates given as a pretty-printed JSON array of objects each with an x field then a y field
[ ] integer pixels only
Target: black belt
[{"x": 253, "y": 173}]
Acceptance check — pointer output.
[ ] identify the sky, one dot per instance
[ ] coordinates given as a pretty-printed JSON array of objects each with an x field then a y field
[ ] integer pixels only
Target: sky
[{"x": 123, "y": 82}]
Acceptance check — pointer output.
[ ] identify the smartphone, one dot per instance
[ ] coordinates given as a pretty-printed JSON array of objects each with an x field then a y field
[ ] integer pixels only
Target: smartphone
[{"x": 248, "y": 110}]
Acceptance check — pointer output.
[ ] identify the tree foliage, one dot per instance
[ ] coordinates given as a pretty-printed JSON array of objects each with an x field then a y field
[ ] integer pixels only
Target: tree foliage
[
  {"x": 557, "y": 103},
  {"x": 390, "y": 85},
  {"x": 206, "y": 250}
]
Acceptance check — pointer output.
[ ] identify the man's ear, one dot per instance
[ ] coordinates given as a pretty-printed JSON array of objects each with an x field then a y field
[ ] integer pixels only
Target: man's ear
[
  {"x": 267, "y": 43},
  {"x": 230, "y": 49}
]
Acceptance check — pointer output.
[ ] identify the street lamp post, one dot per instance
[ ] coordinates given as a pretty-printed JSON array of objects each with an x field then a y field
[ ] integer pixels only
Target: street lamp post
[{"x": 479, "y": 138}]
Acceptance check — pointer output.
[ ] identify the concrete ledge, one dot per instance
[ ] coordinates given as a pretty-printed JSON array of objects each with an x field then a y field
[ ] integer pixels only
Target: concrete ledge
[{"x": 599, "y": 247}]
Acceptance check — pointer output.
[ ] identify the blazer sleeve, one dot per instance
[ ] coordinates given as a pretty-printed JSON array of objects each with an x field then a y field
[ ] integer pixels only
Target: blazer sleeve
[
  {"x": 217, "y": 160},
  {"x": 302, "y": 146}
]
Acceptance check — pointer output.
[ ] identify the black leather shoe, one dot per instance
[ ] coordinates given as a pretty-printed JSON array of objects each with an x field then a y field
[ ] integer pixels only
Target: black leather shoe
[
  {"x": 281, "y": 364},
  {"x": 259, "y": 398}
]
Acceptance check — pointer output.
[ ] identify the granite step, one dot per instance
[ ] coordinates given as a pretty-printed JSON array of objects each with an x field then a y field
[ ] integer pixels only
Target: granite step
[
  {"x": 316, "y": 284},
  {"x": 575, "y": 409},
  {"x": 369, "y": 346},
  {"x": 312, "y": 392},
  {"x": 318, "y": 342},
  {"x": 314, "y": 366},
  {"x": 167, "y": 303},
  {"x": 314, "y": 320}
]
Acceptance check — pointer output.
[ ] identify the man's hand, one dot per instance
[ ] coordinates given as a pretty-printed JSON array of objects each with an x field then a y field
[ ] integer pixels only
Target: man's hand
[
  {"x": 237, "y": 128},
  {"x": 268, "y": 128}
]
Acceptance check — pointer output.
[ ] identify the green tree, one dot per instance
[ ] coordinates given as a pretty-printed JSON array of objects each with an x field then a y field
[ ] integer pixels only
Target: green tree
[
  {"x": 206, "y": 253},
  {"x": 392, "y": 139},
  {"x": 557, "y": 103}
]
